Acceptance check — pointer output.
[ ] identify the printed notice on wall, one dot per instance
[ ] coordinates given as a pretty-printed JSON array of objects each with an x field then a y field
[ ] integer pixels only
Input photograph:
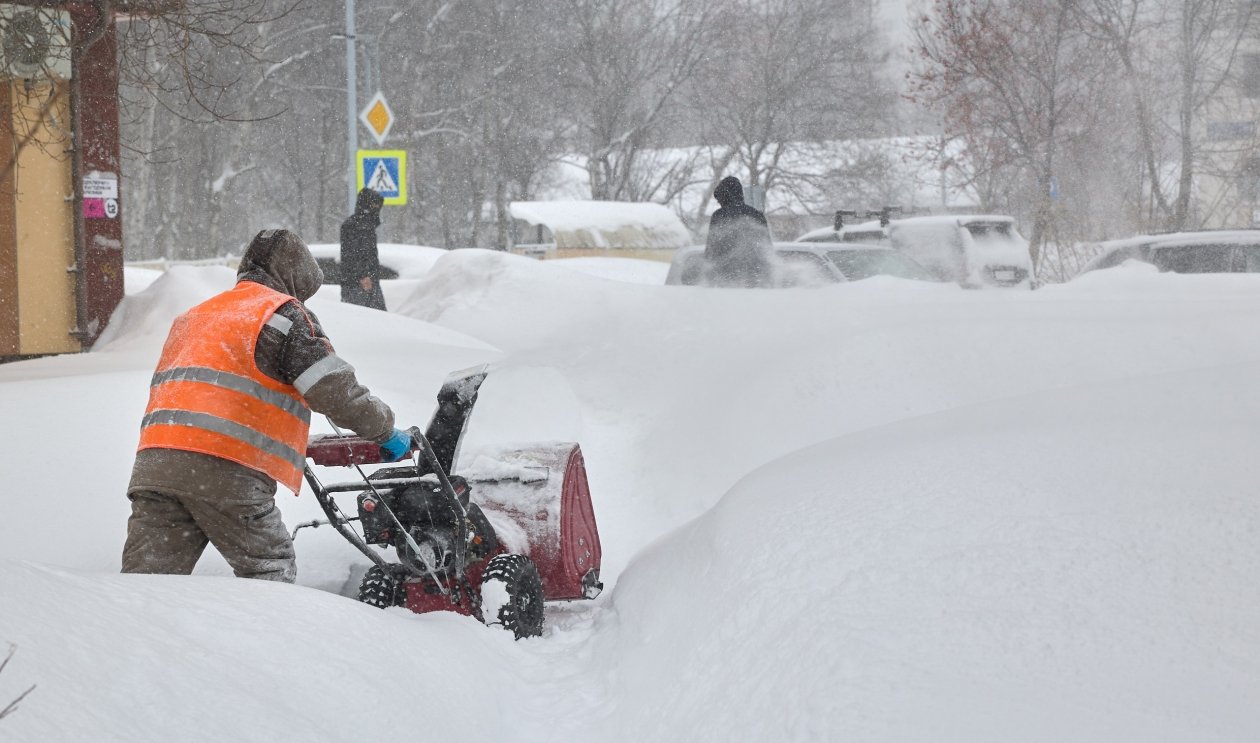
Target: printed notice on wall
[{"x": 100, "y": 186}]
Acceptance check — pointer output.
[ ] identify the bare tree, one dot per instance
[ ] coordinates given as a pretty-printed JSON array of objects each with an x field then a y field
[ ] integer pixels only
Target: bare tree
[
  {"x": 488, "y": 96},
  {"x": 629, "y": 61},
  {"x": 176, "y": 50},
  {"x": 1015, "y": 81},
  {"x": 12, "y": 706},
  {"x": 501, "y": 111},
  {"x": 164, "y": 46},
  {"x": 177, "y": 60},
  {"x": 1205, "y": 36},
  {"x": 782, "y": 74}
]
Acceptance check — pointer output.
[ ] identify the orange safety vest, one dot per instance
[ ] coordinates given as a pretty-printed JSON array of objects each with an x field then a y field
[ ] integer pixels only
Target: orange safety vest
[{"x": 209, "y": 396}]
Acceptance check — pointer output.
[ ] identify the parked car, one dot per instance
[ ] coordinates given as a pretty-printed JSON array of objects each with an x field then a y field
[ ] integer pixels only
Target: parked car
[
  {"x": 808, "y": 264},
  {"x": 972, "y": 250},
  {"x": 1204, "y": 251}
]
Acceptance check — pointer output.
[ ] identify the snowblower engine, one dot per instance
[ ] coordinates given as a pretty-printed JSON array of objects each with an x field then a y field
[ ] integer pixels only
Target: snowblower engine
[{"x": 424, "y": 513}]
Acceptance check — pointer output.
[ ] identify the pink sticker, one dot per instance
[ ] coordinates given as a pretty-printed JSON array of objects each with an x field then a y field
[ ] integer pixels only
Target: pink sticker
[{"x": 94, "y": 208}]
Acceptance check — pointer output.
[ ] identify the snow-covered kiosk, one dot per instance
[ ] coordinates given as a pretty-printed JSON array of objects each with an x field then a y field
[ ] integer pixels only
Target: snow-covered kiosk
[{"x": 569, "y": 229}]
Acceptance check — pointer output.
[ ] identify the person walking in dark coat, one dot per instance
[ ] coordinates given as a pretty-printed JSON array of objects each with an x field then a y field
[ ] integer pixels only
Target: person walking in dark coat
[
  {"x": 738, "y": 249},
  {"x": 360, "y": 262}
]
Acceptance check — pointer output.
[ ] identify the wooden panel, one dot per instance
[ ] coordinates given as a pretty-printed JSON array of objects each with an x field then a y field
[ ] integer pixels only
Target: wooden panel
[
  {"x": 8, "y": 230},
  {"x": 45, "y": 221}
]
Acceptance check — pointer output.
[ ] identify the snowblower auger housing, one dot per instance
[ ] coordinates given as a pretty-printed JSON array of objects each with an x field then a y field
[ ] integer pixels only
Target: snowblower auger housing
[{"x": 493, "y": 543}]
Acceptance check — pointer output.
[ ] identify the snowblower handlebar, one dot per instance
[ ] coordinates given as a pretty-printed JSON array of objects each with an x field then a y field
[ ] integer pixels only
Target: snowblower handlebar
[{"x": 345, "y": 450}]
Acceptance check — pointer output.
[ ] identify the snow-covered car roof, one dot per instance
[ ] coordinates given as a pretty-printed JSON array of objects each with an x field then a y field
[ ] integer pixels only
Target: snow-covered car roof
[
  {"x": 1195, "y": 237},
  {"x": 963, "y": 219},
  {"x": 864, "y": 232},
  {"x": 688, "y": 261},
  {"x": 402, "y": 260},
  {"x": 873, "y": 230}
]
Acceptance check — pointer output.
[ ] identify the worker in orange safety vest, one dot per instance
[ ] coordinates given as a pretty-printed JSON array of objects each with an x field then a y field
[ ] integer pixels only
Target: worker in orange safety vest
[{"x": 229, "y": 411}]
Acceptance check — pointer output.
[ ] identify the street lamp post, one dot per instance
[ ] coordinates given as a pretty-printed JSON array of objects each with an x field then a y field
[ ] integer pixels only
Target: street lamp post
[{"x": 352, "y": 112}]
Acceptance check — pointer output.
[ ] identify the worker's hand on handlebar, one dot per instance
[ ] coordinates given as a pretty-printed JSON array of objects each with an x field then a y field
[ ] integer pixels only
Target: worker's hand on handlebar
[{"x": 397, "y": 446}]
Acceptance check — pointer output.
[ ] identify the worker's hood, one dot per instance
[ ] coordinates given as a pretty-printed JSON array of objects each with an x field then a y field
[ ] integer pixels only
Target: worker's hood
[{"x": 279, "y": 259}]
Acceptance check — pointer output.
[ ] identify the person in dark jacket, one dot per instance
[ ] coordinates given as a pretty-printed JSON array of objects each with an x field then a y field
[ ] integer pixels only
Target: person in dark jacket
[
  {"x": 360, "y": 261},
  {"x": 738, "y": 248},
  {"x": 229, "y": 409}
]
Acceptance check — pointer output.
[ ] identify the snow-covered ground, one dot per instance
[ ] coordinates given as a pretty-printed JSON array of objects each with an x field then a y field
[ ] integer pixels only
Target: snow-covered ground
[{"x": 883, "y": 511}]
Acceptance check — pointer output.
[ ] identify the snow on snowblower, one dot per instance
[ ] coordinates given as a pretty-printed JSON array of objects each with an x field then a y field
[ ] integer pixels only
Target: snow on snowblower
[{"x": 514, "y": 530}]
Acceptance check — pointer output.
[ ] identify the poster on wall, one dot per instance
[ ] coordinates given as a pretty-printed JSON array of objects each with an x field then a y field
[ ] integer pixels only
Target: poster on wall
[{"x": 100, "y": 196}]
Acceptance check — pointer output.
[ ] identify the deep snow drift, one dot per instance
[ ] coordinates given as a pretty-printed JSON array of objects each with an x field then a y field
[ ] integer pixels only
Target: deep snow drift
[{"x": 882, "y": 511}]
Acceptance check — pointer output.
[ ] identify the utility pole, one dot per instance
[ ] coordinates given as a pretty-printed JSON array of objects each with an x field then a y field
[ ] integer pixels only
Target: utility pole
[{"x": 352, "y": 108}]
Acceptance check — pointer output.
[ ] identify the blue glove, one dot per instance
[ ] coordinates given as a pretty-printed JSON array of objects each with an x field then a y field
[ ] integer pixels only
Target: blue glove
[{"x": 397, "y": 446}]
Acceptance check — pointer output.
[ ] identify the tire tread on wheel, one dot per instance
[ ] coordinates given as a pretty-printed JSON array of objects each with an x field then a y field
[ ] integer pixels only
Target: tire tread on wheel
[
  {"x": 512, "y": 595},
  {"x": 380, "y": 588}
]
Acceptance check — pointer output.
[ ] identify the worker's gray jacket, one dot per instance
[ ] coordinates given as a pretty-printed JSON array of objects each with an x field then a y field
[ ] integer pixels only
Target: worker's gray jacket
[{"x": 293, "y": 349}]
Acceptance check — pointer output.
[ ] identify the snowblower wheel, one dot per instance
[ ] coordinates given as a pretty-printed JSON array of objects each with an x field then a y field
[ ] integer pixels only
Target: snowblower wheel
[
  {"x": 380, "y": 588},
  {"x": 512, "y": 595}
]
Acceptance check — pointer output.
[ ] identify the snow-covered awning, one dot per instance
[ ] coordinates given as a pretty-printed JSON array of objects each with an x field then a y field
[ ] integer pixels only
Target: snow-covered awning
[{"x": 620, "y": 225}]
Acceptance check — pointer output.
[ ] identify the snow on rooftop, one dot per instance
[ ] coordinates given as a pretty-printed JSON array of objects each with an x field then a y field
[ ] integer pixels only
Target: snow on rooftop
[{"x": 605, "y": 224}]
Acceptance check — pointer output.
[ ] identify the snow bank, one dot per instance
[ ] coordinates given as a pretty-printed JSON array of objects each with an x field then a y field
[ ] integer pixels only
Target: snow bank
[
  {"x": 882, "y": 511},
  {"x": 1139, "y": 281},
  {"x": 630, "y": 270},
  {"x": 1043, "y": 568},
  {"x": 161, "y": 658},
  {"x": 683, "y": 390},
  {"x": 136, "y": 279},
  {"x": 148, "y": 313}
]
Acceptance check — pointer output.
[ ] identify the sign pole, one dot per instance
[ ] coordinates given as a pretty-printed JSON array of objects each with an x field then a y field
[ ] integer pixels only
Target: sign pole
[{"x": 352, "y": 94}]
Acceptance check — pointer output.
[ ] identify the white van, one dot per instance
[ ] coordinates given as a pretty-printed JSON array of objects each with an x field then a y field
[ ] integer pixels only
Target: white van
[{"x": 972, "y": 250}]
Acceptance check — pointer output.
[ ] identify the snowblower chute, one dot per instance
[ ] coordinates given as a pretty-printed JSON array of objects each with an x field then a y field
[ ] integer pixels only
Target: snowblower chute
[{"x": 495, "y": 542}]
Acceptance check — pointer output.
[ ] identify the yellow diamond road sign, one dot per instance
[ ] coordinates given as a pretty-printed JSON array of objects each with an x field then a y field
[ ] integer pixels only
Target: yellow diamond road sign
[{"x": 377, "y": 117}]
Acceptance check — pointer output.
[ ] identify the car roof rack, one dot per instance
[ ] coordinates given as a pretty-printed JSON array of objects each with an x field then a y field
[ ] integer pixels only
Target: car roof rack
[{"x": 884, "y": 214}]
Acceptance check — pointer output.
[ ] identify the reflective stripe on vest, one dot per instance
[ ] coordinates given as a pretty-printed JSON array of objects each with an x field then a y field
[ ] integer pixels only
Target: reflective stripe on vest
[
  {"x": 236, "y": 383},
  {"x": 209, "y": 396},
  {"x": 227, "y": 428}
]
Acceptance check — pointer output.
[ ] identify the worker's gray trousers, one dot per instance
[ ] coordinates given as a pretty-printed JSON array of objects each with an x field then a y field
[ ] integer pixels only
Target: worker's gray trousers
[{"x": 167, "y": 534}]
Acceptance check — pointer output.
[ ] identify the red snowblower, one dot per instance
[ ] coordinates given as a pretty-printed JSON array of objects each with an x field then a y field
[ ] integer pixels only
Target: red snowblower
[{"x": 510, "y": 532}]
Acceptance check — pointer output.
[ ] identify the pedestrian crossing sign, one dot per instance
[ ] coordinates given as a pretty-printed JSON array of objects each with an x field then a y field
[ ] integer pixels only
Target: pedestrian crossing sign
[{"x": 384, "y": 171}]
